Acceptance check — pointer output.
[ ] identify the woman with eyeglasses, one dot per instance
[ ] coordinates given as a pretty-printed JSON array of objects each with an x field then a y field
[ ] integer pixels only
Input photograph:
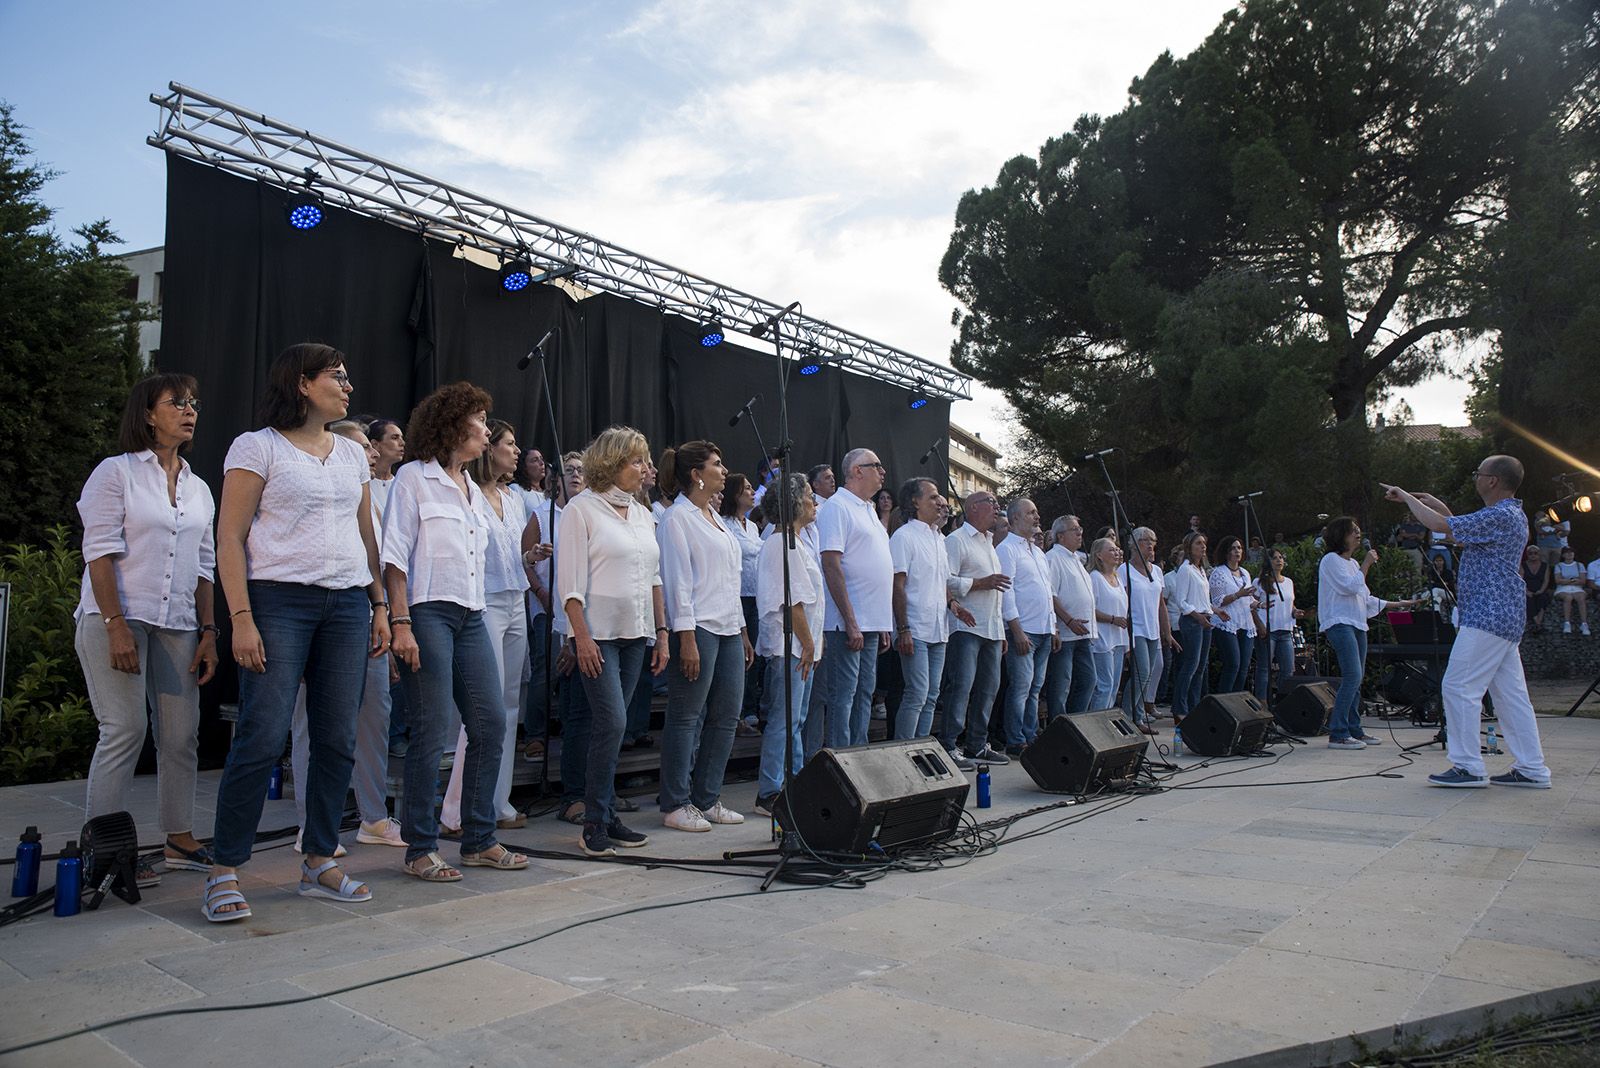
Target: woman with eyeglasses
[
  {"x": 298, "y": 560},
  {"x": 146, "y": 632}
]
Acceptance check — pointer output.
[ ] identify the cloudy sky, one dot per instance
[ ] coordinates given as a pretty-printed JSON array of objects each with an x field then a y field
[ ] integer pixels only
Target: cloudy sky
[{"x": 798, "y": 150}]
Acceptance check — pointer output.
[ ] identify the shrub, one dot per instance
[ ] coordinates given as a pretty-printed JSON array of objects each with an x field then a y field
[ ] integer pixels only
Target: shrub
[{"x": 47, "y": 730}]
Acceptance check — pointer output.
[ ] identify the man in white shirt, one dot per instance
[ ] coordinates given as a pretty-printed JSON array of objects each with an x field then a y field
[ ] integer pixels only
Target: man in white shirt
[
  {"x": 823, "y": 484},
  {"x": 972, "y": 659},
  {"x": 922, "y": 588},
  {"x": 859, "y": 572},
  {"x": 1070, "y": 680},
  {"x": 1030, "y": 624}
]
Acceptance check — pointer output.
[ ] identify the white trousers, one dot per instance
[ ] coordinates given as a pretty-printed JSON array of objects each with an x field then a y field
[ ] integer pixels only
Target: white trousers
[
  {"x": 1479, "y": 663},
  {"x": 506, "y": 617}
]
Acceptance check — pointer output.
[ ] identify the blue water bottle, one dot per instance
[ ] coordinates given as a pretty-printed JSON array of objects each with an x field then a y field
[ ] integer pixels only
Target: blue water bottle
[
  {"x": 25, "y": 878},
  {"x": 983, "y": 786},
  {"x": 275, "y": 783},
  {"x": 1177, "y": 739},
  {"x": 69, "y": 881}
]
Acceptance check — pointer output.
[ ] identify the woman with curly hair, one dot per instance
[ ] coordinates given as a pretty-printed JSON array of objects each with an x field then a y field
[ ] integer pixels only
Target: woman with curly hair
[
  {"x": 295, "y": 547},
  {"x": 436, "y": 555},
  {"x": 608, "y": 576}
]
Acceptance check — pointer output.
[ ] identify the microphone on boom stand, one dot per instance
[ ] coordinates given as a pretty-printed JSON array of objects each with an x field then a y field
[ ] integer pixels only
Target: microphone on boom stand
[
  {"x": 538, "y": 349},
  {"x": 742, "y": 412}
]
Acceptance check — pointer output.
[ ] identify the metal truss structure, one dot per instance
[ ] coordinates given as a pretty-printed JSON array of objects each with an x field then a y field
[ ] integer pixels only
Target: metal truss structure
[{"x": 212, "y": 131}]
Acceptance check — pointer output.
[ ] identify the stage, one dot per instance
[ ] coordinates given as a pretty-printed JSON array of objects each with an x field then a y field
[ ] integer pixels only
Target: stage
[{"x": 1190, "y": 927}]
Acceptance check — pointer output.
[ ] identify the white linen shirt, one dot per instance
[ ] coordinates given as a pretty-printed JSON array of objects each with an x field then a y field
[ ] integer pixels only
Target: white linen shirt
[
  {"x": 749, "y": 539},
  {"x": 1113, "y": 601},
  {"x": 378, "y": 490},
  {"x": 1223, "y": 583},
  {"x": 1342, "y": 594},
  {"x": 1280, "y": 616},
  {"x": 1192, "y": 588},
  {"x": 1145, "y": 600},
  {"x": 848, "y": 525},
  {"x": 305, "y": 529},
  {"x": 503, "y": 571},
  {"x": 1028, "y": 599},
  {"x": 1069, "y": 583},
  {"x": 437, "y": 535},
  {"x": 972, "y": 556},
  {"x": 159, "y": 549},
  {"x": 919, "y": 554},
  {"x": 805, "y": 589},
  {"x": 700, "y": 570},
  {"x": 609, "y": 565}
]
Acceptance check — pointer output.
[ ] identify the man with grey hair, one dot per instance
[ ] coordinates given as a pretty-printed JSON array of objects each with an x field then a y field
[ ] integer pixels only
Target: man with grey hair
[
  {"x": 1030, "y": 624},
  {"x": 1491, "y": 614},
  {"x": 972, "y": 658},
  {"x": 1069, "y": 682},
  {"x": 859, "y": 574}
]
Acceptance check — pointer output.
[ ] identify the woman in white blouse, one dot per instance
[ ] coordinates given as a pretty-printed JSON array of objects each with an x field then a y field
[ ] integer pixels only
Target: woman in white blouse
[
  {"x": 608, "y": 579},
  {"x": 298, "y": 561},
  {"x": 146, "y": 631},
  {"x": 701, "y": 564},
  {"x": 1110, "y": 641},
  {"x": 805, "y": 612},
  {"x": 1344, "y": 604},
  {"x": 389, "y": 442},
  {"x": 1232, "y": 601},
  {"x": 738, "y": 497},
  {"x": 436, "y": 559},
  {"x": 505, "y": 614},
  {"x": 1192, "y": 593},
  {"x": 1275, "y": 619},
  {"x": 1152, "y": 629}
]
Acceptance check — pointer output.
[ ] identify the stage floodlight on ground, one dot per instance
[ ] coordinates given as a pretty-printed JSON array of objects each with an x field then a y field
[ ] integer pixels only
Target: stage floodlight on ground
[
  {"x": 919, "y": 397},
  {"x": 515, "y": 276},
  {"x": 711, "y": 335},
  {"x": 304, "y": 210}
]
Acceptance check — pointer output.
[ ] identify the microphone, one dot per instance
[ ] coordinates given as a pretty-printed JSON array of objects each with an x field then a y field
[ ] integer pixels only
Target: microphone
[
  {"x": 931, "y": 449},
  {"x": 1245, "y": 497},
  {"x": 1088, "y": 456},
  {"x": 738, "y": 415},
  {"x": 772, "y": 321},
  {"x": 522, "y": 364}
]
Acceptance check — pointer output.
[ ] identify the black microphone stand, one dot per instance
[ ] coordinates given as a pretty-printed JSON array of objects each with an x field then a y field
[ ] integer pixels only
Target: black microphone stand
[
  {"x": 1249, "y": 503},
  {"x": 933, "y": 451},
  {"x": 549, "y": 617}
]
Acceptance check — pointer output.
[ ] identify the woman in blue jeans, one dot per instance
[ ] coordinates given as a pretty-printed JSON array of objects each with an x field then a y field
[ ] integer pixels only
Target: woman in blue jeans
[
  {"x": 1192, "y": 595},
  {"x": 1344, "y": 604},
  {"x": 701, "y": 562},
  {"x": 435, "y": 551},
  {"x": 298, "y": 561},
  {"x": 608, "y": 581},
  {"x": 1232, "y": 601},
  {"x": 1275, "y": 619},
  {"x": 785, "y": 728}
]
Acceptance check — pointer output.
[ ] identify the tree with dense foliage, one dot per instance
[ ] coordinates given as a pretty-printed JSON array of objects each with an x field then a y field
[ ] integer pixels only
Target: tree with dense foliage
[
  {"x": 68, "y": 349},
  {"x": 1279, "y": 228}
]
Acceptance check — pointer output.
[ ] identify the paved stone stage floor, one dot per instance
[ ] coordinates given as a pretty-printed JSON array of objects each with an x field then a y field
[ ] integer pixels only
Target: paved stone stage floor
[{"x": 1194, "y": 926}]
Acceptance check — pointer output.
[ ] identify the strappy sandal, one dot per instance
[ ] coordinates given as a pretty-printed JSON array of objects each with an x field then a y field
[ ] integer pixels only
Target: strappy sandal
[
  {"x": 572, "y": 813},
  {"x": 145, "y": 874},
  {"x": 436, "y": 871},
  {"x": 188, "y": 859},
  {"x": 505, "y": 860},
  {"x": 215, "y": 898},
  {"x": 311, "y": 884}
]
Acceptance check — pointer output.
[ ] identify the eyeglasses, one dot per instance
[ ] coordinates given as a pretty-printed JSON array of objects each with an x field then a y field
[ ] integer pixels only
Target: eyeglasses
[
  {"x": 338, "y": 376},
  {"x": 876, "y": 464},
  {"x": 182, "y": 403}
]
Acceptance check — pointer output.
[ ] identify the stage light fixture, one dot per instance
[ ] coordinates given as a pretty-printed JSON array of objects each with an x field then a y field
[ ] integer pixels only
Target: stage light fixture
[
  {"x": 304, "y": 210},
  {"x": 711, "y": 335},
  {"x": 1584, "y": 503},
  {"x": 919, "y": 397},
  {"x": 515, "y": 276},
  {"x": 810, "y": 362}
]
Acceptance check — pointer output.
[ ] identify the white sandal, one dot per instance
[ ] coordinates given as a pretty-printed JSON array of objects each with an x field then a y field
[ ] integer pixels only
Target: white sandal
[
  {"x": 311, "y": 884},
  {"x": 215, "y": 899}
]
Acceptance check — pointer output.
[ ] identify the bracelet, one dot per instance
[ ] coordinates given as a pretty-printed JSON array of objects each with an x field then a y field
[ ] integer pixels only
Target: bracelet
[
  {"x": 902, "y": 630},
  {"x": 240, "y": 612},
  {"x": 662, "y": 630},
  {"x": 380, "y": 604},
  {"x": 397, "y": 620},
  {"x": 108, "y": 620},
  {"x": 210, "y": 628}
]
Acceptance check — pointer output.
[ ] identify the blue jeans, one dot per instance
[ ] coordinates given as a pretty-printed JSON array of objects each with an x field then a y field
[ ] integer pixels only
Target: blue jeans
[
  {"x": 922, "y": 672},
  {"x": 399, "y": 721},
  {"x": 1235, "y": 650},
  {"x": 772, "y": 739},
  {"x": 1070, "y": 682},
  {"x": 701, "y": 716},
  {"x": 572, "y": 703},
  {"x": 972, "y": 678},
  {"x": 1350, "y": 647},
  {"x": 816, "y": 717},
  {"x": 622, "y": 660},
  {"x": 536, "y": 708},
  {"x": 1189, "y": 682},
  {"x": 638, "y": 723},
  {"x": 1027, "y": 673},
  {"x": 1147, "y": 664},
  {"x": 1279, "y": 647},
  {"x": 848, "y": 678},
  {"x": 458, "y": 675},
  {"x": 1107, "y": 676},
  {"x": 319, "y": 635}
]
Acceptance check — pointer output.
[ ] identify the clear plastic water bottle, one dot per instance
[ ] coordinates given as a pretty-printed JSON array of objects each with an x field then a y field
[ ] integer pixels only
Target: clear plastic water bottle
[
  {"x": 1492, "y": 746},
  {"x": 25, "y": 876},
  {"x": 1177, "y": 739},
  {"x": 69, "y": 880},
  {"x": 983, "y": 786}
]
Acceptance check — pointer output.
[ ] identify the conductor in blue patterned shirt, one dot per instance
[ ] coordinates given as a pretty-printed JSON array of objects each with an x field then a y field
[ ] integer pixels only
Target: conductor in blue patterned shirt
[{"x": 1490, "y": 598}]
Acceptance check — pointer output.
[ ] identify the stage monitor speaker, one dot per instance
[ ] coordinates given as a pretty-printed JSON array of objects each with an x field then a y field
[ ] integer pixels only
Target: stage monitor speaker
[
  {"x": 1226, "y": 724},
  {"x": 889, "y": 793},
  {"x": 1304, "y": 710},
  {"x": 1085, "y": 753}
]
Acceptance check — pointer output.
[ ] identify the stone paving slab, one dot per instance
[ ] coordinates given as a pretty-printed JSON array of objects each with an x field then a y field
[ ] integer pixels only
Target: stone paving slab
[{"x": 1190, "y": 927}]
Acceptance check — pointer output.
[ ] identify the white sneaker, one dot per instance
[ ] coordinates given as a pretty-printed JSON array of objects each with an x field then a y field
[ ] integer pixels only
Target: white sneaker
[
  {"x": 338, "y": 850},
  {"x": 719, "y": 813},
  {"x": 685, "y": 818},
  {"x": 1583, "y": 628},
  {"x": 1566, "y": 628},
  {"x": 384, "y": 832}
]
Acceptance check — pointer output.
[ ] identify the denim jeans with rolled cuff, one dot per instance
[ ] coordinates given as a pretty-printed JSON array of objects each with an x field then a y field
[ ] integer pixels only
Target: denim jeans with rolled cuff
[
  {"x": 621, "y": 661},
  {"x": 701, "y": 717}
]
